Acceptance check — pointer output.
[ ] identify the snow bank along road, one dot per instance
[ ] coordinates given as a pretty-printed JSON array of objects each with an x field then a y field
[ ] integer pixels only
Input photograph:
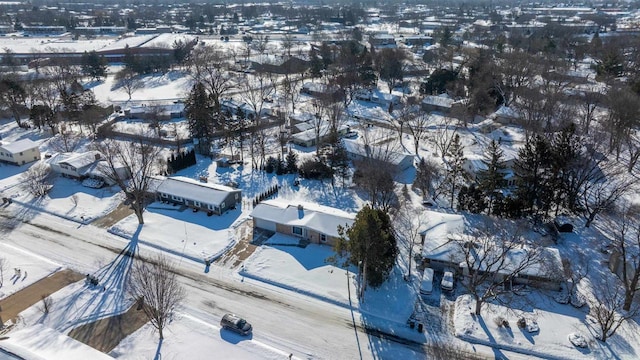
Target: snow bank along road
[{"x": 307, "y": 327}]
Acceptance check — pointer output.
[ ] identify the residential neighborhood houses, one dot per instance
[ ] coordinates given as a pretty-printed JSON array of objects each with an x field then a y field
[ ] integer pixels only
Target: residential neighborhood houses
[{"x": 430, "y": 175}]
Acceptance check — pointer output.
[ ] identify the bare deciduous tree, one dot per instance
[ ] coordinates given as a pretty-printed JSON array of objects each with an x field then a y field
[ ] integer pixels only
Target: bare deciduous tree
[
  {"x": 129, "y": 81},
  {"x": 65, "y": 140},
  {"x": 492, "y": 258},
  {"x": 417, "y": 126},
  {"x": 606, "y": 308},
  {"x": 36, "y": 180},
  {"x": 209, "y": 66},
  {"x": 136, "y": 160},
  {"x": 156, "y": 285},
  {"x": 600, "y": 195},
  {"x": 408, "y": 221},
  {"x": 443, "y": 134},
  {"x": 626, "y": 244},
  {"x": 47, "y": 302}
]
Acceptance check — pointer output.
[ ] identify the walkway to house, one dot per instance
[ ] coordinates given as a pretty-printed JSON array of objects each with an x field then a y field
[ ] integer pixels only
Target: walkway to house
[
  {"x": 243, "y": 249},
  {"x": 122, "y": 211}
]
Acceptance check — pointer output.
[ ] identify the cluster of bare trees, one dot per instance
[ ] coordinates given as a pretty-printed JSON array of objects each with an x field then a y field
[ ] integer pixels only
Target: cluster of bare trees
[{"x": 52, "y": 98}]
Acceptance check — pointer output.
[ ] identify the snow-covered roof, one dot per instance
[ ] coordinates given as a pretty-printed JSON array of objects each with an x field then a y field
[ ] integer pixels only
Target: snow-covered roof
[
  {"x": 442, "y": 244},
  {"x": 378, "y": 153},
  {"x": 80, "y": 160},
  {"x": 194, "y": 190},
  {"x": 316, "y": 217},
  {"x": 19, "y": 146},
  {"x": 441, "y": 100},
  {"x": 507, "y": 112}
]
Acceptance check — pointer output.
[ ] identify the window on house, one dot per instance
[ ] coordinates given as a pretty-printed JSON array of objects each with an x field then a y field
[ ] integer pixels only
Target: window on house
[
  {"x": 176, "y": 198},
  {"x": 222, "y": 205},
  {"x": 20, "y": 153},
  {"x": 297, "y": 230},
  {"x": 323, "y": 237},
  {"x": 197, "y": 204}
]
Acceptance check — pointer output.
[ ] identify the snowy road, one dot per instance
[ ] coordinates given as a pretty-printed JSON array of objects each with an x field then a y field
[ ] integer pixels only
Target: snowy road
[{"x": 290, "y": 322}]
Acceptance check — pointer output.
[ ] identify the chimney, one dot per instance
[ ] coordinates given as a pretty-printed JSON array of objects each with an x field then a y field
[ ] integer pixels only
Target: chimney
[
  {"x": 300, "y": 212},
  {"x": 97, "y": 156}
]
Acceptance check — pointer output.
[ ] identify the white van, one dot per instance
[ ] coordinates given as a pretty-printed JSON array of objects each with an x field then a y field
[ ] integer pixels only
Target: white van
[{"x": 426, "y": 286}]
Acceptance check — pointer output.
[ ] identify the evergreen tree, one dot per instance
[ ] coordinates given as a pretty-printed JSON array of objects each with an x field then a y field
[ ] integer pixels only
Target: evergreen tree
[
  {"x": 370, "y": 244},
  {"x": 532, "y": 175},
  {"x": 94, "y": 65},
  {"x": 292, "y": 162},
  {"x": 491, "y": 179},
  {"x": 199, "y": 113},
  {"x": 455, "y": 172},
  {"x": 340, "y": 161},
  {"x": 316, "y": 65},
  {"x": 471, "y": 199},
  {"x": 566, "y": 157}
]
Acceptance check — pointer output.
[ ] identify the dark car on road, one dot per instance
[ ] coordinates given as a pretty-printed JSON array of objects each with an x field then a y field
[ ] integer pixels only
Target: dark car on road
[{"x": 235, "y": 323}]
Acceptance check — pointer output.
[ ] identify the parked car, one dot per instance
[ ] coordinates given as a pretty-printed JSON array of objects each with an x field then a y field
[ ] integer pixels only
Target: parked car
[
  {"x": 236, "y": 324},
  {"x": 426, "y": 286},
  {"x": 447, "y": 281}
]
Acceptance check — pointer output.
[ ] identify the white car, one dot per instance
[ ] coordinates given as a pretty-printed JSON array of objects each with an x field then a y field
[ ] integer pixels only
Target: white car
[
  {"x": 447, "y": 281},
  {"x": 578, "y": 340}
]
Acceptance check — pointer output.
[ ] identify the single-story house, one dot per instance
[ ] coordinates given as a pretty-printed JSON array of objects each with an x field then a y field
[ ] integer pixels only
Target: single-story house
[
  {"x": 198, "y": 195},
  {"x": 155, "y": 112},
  {"x": 380, "y": 40},
  {"x": 90, "y": 164},
  {"x": 319, "y": 90},
  {"x": 358, "y": 152},
  {"x": 506, "y": 115},
  {"x": 441, "y": 103},
  {"x": 19, "y": 152},
  {"x": 378, "y": 97},
  {"x": 311, "y": 222},
  {"x": 307, "y": 137},
  {"x": 442, "y": 251}
]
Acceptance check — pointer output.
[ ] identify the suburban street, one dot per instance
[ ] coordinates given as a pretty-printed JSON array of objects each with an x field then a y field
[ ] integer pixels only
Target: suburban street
[{"x": 294, "y": 323}]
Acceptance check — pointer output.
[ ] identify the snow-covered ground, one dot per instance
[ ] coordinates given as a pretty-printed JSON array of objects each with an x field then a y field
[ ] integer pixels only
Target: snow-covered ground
[
  {"x": 32, "y": 268},
  {"x": 303, "y": 274},
  {"x": 188, "y": 337},
  {"x": 182, "y": 232}
]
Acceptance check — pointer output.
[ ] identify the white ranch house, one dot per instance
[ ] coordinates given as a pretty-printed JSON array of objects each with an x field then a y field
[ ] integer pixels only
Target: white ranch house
[{"x": 310, "y": 222}]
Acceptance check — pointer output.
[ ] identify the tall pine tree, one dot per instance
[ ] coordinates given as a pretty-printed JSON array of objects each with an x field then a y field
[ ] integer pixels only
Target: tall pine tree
[
  {"x": 370, "y": 244},
  {"x": 455, "y": 171},
  {"x": 199, "y": 113},
  {"x": 491, "y": 179},
  {"x": 532, "y": 173}
]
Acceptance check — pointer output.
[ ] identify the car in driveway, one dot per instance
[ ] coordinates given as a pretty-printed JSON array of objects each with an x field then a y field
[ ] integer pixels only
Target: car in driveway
[
  {"x": 447, "y": 281},
  {"x": 236, "y": 324},
  {"x": 426, "y": 285}
]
